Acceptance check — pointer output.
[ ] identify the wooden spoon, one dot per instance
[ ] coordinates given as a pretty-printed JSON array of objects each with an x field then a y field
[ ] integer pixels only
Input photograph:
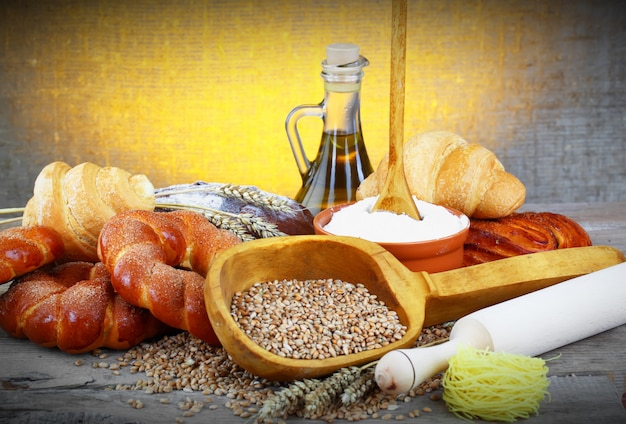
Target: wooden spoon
[
  {"x": 395, "y": 195},
  {"x": 418, "y": 298}
]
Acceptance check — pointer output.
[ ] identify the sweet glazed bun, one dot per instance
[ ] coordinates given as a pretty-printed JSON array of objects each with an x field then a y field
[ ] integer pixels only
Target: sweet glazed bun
[
  {"x": 159, "y": 260},
  {"x": 519, "y": 234},
  {"x": 25, "y": 249},
  {"x": 73, "y": 307}
]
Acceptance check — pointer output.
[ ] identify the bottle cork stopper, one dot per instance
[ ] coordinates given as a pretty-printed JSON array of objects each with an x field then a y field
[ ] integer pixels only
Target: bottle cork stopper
[{"x": 341, "y": 53}]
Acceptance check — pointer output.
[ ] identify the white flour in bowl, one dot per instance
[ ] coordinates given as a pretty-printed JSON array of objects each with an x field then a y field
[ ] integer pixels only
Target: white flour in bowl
[{"x": 357, "y": 220}]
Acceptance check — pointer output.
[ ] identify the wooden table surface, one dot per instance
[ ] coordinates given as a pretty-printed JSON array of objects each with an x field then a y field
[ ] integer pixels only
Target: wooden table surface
[{"x": 40, "y": 385}]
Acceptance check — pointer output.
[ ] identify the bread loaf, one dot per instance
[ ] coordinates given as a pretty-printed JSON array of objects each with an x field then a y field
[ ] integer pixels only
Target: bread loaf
[
  {"x": 25, "y": 249},
  {"x": 443, "y": 168},
  {"x": 245, "y": 210},
  {"x": 77, "y": 201},
  {"x": 74, "y": 307},
  {"x": 519, "y": 234},
  {"x": 159, "y": 260}
]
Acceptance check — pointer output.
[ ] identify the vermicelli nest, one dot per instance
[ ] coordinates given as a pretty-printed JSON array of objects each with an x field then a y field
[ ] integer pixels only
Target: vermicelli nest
[{"x": 494, "y": 386}]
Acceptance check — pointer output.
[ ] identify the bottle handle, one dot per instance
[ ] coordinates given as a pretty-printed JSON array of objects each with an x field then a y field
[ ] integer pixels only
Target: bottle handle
[{"x": 291, "y": 126}]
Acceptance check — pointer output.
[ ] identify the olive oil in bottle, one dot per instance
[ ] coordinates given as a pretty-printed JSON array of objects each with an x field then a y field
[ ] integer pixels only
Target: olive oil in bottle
[
  {"x": 342, "y": 162},
  {"x": 336, "y": 173}
]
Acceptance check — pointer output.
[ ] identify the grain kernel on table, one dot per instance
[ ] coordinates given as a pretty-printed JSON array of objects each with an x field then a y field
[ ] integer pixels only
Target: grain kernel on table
[
  {"x": 414, "y": 413},
  {"x": 315, "y": 319},
  {"x": 218, "y": 375}
]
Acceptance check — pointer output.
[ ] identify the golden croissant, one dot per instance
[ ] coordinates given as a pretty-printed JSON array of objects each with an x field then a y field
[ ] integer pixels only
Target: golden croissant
[
  {"x": 77, "y": 201},
  {"x": 442, "y": 168}
]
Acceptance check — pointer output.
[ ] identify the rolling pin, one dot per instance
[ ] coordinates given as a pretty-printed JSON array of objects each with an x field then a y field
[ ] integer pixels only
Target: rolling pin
[{"x": 530, "y": 325}]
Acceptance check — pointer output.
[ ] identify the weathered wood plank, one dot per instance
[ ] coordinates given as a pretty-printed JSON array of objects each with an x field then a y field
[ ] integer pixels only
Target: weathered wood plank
[{"x": 581, "y": 399}]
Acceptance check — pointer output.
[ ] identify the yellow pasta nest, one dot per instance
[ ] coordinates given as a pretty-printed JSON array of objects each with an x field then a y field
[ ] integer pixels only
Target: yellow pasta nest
[{"x": 494, "y": 386}]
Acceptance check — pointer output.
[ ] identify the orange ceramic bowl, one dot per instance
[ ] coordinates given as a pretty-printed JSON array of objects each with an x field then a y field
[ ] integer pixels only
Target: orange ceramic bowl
[{"x": 435, "y": 255}]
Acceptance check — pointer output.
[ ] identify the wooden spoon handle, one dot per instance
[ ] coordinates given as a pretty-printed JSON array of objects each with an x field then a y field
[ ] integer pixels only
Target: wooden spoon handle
[
  {"x": 456, "y": 293},
  {"x": 395, "y": 195},
  {"x": 397, "y": 80}
]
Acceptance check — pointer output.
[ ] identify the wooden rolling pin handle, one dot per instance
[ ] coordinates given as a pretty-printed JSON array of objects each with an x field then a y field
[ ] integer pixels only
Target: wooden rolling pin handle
[{"x": 419, "y": 364}]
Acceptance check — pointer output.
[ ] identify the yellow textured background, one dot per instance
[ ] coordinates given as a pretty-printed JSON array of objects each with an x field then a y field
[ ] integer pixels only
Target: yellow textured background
[{"x": 184, "y": 90}]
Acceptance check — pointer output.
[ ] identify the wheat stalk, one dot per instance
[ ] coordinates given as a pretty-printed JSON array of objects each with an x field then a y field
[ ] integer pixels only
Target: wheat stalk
[
  {"x": 8, "y": 211},
  {"x": 364, "y": 384},
  {"x": 310, "y": 398},
  {"x": 316, "y": 402},
  {"x": 287, "y": 401},
  {"x": 245, "y": 226}
]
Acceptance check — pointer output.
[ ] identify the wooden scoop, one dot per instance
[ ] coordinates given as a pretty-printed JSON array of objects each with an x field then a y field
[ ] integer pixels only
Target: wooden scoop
[
  {"x": 395, "y": 195},
  {"x": 419, "y": 298}
]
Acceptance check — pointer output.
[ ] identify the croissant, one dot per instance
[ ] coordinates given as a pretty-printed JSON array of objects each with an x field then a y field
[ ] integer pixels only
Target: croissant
[
  {"x": 24, "y": 249},
  {"x": 78, "y": 201},
  {"x": 443, "y": 168},
  {"x": 74, "y": 307},
  {"x": 159, "y": 260},
  {"x": 519, "y": 234}
]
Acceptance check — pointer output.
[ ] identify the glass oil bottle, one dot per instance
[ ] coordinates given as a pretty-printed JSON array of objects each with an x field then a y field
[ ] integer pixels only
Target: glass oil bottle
[{"x": 342, "y": 162}]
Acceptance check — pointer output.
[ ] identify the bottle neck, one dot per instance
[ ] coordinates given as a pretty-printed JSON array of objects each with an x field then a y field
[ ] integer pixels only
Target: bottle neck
[
  {"x": 342, "y": 105},
  {"x": 342, "y": 99}
]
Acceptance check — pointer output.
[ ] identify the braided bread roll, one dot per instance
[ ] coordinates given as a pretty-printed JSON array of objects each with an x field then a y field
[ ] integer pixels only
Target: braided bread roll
[
  {"x": 159, "y": 260},
  {"x": 443, "y": 168},
  {"x": 78, "y": 201},
  {"x": 74, "y": 308},
  {"x": 520, "y": 234},
  {"x": 24, "y": 249}
]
